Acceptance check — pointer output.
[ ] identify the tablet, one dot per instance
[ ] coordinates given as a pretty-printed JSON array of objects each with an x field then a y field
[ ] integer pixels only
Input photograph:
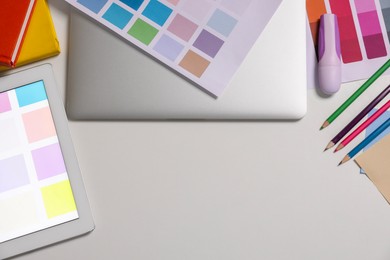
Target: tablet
[{"x": 42, "y": 196}]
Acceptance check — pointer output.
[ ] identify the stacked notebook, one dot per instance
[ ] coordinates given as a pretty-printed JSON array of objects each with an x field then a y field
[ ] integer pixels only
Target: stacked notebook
[{"x": 29, "y": 33}]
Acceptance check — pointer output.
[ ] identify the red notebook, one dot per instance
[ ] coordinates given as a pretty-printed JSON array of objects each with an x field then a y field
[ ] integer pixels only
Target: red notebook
[{"x": 14, "y": 19}]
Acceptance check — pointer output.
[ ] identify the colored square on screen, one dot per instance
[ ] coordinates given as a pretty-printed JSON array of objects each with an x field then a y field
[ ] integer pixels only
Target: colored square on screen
[
  {"x": 117, "y": 16},
  {"x": 58, "y": 199},
  {"x": 134, "y": 4},
  {"x": 197, "y": 9},
  {"x": 30, "y": 94},
  {"x": 143, "y": 31},
  {"x": 13, "y": 173},
  {"x": 208, "y": 43},
  {"x": 93, "y": 5},
  {"x": 194, "y": 63},
  {"x": 157, "y": 12},
  {"x": 48, "y": 161},
  {"x": 222, "y": 22},
  {"x": 39, "y": 124},
  {"x": 9, "y": 137},
  {"x": 18, "y": 212},
  {"x": 5, "y": 105},
  {"x": 182, "y": 27},
  {"x": 168, "y": 47},
  {"x": 238, "y": 7},
  {"x": 174, "y": 2}
]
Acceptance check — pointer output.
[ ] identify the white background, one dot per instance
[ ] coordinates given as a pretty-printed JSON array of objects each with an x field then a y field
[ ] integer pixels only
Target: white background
[{"x": 223, "y": 190}]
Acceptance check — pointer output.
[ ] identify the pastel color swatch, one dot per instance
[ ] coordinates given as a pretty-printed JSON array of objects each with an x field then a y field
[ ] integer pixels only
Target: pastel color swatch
[
  {"x": 31, "y": 94},
  {"x": 13, "y": 173},
  {"x": 9, "y": 138},
  {"x": 197, "y": 10},
  {"x": 34, "y": 183},
  {"x": 182, "y": 27},
  {"x": 222, "y": 22},
  {"x": 143, "y": 31},
  {"x": 157, "y": 12},
  {"x": 134, "y": 4},
  {"x": 93, "y": 5},
  {"x": 58, "y": 199},
  {"x": 208, "y": 43},
  {"x": 18, "y": 212},
  {"x": 194, "y": 63},
  {"x": 117, "y": 16},
  {"x": 238, "y": 7},
  {"x": 168, "y": 47},
  {"x": 39, "y": 124},
  {"x": 174, "y": 2},
  {"x": 5, "y": 105},
  {"x": 48, "y": 161}
]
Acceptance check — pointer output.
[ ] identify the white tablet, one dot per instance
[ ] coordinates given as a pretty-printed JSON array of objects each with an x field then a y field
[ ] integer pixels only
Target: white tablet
[{"x": 42, "y": 196}]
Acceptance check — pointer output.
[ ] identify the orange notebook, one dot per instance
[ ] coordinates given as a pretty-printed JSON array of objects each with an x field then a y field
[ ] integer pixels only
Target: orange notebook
[{"x": 14, "y": 19}]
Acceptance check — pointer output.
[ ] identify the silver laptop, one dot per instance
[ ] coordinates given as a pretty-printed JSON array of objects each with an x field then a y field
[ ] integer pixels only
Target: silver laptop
[{"x": 110, "y": 83}]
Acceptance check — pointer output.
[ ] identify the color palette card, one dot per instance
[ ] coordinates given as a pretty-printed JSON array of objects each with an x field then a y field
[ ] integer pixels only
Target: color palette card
[
  {"x": 35, "y": 191},
  {"x": 204, "y": 40},
  {"x": 364, "y": 27}
]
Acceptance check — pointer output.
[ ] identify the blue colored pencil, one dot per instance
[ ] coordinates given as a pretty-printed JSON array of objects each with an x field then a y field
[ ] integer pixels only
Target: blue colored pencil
[{"x": 366, "y": 141}]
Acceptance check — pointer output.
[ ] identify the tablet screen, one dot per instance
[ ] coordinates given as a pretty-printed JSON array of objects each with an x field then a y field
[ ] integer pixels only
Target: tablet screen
[{"x": 35, "y": 191}]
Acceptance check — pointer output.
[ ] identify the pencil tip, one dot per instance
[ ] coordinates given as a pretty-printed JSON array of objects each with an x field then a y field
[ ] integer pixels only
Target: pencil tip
[
  {"x": 338, "y": 148},
  {"x": 345, "y": 159},
  {"x": 330, "y": 145},
  {"x": 325, "y": 124}
]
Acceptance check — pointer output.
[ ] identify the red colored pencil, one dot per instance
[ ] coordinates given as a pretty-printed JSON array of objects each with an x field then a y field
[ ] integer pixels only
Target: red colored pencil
[{"x": 363, "y": 126}]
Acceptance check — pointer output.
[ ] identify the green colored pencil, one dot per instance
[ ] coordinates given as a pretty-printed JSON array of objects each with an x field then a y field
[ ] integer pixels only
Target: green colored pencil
[{"x": 355, "y": 95}]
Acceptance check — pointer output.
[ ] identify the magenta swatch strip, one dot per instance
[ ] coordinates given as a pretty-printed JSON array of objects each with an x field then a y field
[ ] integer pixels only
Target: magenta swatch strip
[{"x": 370, "y": 29}]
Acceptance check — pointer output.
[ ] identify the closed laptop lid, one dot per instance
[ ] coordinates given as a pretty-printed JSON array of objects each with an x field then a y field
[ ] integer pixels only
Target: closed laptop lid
[{"x": 109, "y": 79}]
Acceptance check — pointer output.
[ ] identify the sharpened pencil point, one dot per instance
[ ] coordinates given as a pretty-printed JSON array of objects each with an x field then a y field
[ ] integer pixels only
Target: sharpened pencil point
[
  {"x": 330, "y": 145},
  {"x": 346, "y": 159},
  {"x": 338, "y": 148},
  {"x": 325, "y": 124}
]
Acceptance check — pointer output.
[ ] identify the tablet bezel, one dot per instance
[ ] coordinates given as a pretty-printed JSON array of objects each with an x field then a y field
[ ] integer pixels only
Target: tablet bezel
[{"x": 67, "y": 230}]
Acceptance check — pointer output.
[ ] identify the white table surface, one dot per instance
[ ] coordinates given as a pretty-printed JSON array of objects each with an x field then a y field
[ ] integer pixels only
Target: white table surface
[{"x": 222, "y": 190}]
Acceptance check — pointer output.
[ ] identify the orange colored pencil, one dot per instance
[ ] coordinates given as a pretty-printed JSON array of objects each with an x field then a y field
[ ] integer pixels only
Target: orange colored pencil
[{"x": 363, "y": 126}]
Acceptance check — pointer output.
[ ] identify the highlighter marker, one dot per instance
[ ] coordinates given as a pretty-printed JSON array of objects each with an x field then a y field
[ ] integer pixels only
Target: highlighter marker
[{"x": 329, "y": 55}]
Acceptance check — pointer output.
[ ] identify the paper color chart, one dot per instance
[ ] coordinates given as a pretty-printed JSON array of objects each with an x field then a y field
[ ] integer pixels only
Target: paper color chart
[
  {"x": 364, "y": 37},
  {"x": 35, "y": 192},
  {"x": 205, "y": 40}
]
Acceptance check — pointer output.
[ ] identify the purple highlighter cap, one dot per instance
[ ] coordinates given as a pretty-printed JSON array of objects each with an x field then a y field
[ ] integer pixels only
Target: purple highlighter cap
[{"x": 322, "y": 37}]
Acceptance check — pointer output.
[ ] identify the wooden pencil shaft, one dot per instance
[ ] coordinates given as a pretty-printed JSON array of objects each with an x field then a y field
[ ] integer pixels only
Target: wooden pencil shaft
[
  {"x": 366, "y": 123},
  {"x": 361, "y": 115},
  {"x": 359, "y": 91}
]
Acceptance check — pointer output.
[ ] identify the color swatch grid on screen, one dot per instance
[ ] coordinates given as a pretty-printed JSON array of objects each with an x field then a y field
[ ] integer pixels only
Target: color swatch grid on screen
[
  {"x": 363, "y": 25},
  {"x": 35, "y": 191},
  {"x": 187, "y": 35}
]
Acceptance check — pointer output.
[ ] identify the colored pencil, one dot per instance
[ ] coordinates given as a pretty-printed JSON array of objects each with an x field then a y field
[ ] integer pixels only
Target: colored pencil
[
  {"x": 366, "y": 141},
  {"x": 363, "y": 126},
  {"x": 356, "y": 94},
  {"x": 359, "y": 117}
]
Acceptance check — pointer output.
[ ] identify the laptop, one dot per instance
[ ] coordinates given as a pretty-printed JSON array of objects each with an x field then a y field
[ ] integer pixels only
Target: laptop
[{"x": 111, "y": 83}]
